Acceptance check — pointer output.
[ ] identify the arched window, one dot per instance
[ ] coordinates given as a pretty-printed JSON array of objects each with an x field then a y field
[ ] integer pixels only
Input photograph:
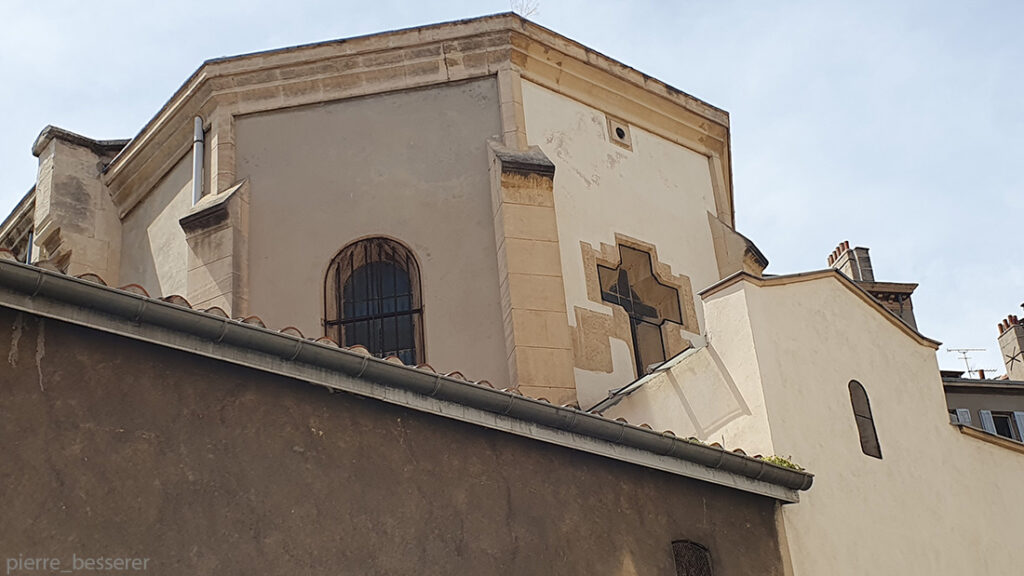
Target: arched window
[
  {"x": 865, "y": 423},
  {"x": 373, "y": 299},
  {"x": 647, "y": 302},
  {"x": 691, "y": 558}
]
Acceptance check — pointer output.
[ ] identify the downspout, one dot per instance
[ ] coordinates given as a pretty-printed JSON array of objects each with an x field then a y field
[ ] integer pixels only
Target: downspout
[
  {"x": 197, "y": 162},
  {"x": 28, "y": 250}
]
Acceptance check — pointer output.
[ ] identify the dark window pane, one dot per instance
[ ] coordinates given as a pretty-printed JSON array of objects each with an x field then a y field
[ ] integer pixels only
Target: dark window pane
[
  {"x": 405, "y": 334},
  {"x": 865, "y": 423},
  {"x": 650, "y": 349},
  {"x": 1004, "y": 426},
  {"x": 389, "y": 337}
]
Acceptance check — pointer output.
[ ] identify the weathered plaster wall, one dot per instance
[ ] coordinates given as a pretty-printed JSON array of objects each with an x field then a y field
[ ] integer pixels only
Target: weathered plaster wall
[
  {"x": 155, "y": 253},
  {"x": 658, "y": 193},
  {"x": 409, "y": 165},
  {"x": 114, "y": 447},
  {"x": 916, "y": 511}
]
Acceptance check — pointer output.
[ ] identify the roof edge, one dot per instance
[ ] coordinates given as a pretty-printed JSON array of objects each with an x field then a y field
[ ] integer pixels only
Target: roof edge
[
  {"x": 843, "y": 279},
  {"x": 54, "y": 133},
  {"x": 20, "y": 210},
  {"x": 83, "y": 302},
  {"x": 213, "y": 69}
]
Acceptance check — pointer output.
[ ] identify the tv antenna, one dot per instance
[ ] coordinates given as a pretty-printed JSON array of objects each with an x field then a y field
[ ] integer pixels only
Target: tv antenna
[{"x": 965, "y": 356}]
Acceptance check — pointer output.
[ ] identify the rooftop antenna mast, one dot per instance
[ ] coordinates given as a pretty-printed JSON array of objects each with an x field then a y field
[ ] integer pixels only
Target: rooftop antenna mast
[{"x": 965, "y": 356}]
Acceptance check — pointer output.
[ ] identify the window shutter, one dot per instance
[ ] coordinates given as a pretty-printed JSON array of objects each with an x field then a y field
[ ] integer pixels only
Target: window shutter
[
  {"x": 987, "y": 423},
  {"x": 963, "y": 415},
  {"x": 1018, "y": 419}
]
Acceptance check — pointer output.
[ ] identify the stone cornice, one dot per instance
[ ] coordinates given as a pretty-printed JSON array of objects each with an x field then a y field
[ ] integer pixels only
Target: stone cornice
[{"x": 414, "y": 58}]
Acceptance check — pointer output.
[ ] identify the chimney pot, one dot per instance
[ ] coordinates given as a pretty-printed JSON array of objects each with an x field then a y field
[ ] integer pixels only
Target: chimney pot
[{"x": 981, "y": 374}]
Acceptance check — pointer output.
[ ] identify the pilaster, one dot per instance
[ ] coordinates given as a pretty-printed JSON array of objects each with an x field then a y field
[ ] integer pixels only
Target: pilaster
[{"x": 539, "y": 346}]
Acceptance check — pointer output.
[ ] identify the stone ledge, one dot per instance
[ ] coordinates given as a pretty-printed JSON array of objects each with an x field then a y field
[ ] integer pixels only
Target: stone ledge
[
  {"x": 210, "y": 211},
  {"x": 523, "y": 162}
]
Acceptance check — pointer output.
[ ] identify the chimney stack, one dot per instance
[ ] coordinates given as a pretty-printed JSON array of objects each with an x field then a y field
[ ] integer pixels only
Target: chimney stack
[
  {"x": 1011, "y": 342},
  {"x": 854, "y": 262}
]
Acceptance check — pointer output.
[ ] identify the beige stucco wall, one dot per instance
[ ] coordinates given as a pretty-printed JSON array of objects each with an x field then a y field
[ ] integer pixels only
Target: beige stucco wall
[
  {"x": 659, "y": 192},
  {"x": 939, "y": 502},
  {"x": 409, "y": 165},
  {"x": 154, "y": 251},
  {"x": 916, "y": 511}
]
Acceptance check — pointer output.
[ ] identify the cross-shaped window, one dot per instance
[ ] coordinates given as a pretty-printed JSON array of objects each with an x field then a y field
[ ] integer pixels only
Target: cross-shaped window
[{"x": 647, "y": 302}]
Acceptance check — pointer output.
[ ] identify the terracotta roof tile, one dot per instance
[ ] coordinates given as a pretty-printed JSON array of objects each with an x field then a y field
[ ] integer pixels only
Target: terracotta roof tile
[
  {"x": 90, "y": 277},
  {"x": 177, "y": 301},
  {"x": 216, "y": 311},
  {"x": 136, "y": 289}
]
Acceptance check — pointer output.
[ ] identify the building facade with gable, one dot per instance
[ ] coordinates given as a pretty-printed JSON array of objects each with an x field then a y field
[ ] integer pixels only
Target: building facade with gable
[{"x": 490, "y": 197}]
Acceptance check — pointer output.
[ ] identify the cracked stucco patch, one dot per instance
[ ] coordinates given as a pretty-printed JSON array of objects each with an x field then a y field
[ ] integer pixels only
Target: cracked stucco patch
[{"x": 12, "y": 356}]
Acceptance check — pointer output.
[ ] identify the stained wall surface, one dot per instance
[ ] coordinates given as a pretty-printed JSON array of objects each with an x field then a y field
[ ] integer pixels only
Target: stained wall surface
[
  {"x": 659, "y": 192},
  {"x": 411, "y": 166},
  {"x": 118, "y": 448}
]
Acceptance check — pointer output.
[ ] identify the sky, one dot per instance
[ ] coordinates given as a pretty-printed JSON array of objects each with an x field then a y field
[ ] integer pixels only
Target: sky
[{"x": 898, "y": 126}]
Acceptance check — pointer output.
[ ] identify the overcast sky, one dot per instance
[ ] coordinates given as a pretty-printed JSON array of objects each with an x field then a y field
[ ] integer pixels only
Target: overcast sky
[{"x": 894, "y": 125}]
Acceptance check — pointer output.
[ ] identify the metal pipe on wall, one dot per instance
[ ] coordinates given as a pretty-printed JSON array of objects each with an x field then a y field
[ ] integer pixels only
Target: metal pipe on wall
[{"x": 197, "y": 161}]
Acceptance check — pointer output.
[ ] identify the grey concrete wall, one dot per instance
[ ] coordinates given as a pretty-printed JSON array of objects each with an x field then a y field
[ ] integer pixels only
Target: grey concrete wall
[
  {"x": 113, "y": 447},
  {"x": 409, "y": 165},
  {"x": 154, "y": 252}
]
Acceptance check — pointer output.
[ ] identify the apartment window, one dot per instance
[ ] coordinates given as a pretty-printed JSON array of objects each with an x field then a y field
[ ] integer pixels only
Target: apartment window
[
  {"x": 372, "y": 298},
  {"x": 648, "y": 303},
  {"x": 865, "y": 423},
  {"x": 1006, "y": 424},
  {"x": 691, "y": 559}
]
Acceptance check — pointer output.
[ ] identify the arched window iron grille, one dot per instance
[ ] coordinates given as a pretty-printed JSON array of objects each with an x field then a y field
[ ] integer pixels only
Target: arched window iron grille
[
  {"x": 373, "y": 299},
  {"x": 865, "y": 421},
  {"x": 647, "y": 302},
  {"x": 691, "y": 559}
]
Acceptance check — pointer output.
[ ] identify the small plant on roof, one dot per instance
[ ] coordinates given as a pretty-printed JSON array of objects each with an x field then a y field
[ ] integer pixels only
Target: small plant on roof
[{"x": 783, "y": 462}]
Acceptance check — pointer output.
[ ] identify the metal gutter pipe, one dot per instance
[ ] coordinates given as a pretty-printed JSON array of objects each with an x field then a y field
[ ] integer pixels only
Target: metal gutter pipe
[
  {"x": 197, "y": 161},
  {"x": 27, "y": 288}
]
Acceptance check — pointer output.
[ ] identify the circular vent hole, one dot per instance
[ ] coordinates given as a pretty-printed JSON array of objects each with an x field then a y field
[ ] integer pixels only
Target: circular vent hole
[{"x": 620, "y": 133}]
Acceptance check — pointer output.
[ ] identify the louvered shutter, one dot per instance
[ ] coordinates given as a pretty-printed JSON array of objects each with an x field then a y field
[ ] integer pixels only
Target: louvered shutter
[
  {"x": 1018, "y": 419},
  {"x": 987, "y": 423},
  {"x": 963, "y": 415}
]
